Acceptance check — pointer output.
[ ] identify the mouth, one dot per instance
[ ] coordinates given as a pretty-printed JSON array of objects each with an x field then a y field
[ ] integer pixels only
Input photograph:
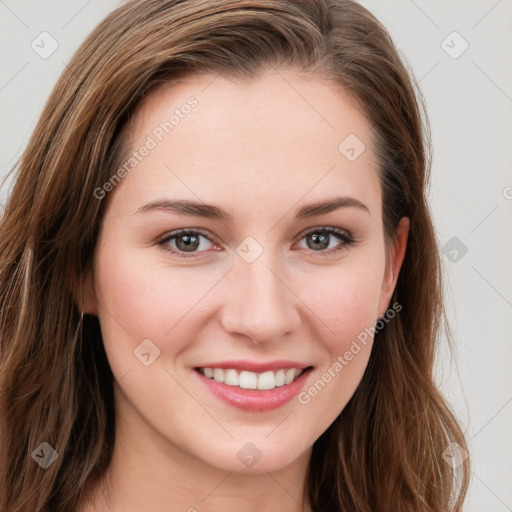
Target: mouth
[
  {"x": 245, "y": 379},
  {"x": 254, "y": 390}
]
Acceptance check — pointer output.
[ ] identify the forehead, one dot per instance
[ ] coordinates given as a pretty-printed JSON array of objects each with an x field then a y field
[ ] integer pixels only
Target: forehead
[
  {"x": 277, "y": 97},
  {"x": 285, "y": 132}
]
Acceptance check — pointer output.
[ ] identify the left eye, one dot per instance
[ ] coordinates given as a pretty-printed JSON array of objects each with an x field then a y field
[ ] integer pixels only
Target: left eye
[
  {"x": 320, "y": 237},
  {"x": 188, "y": 241}
]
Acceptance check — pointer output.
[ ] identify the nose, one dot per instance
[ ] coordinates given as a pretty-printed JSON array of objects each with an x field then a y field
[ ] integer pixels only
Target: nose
[{"x": 259, "y": 302}]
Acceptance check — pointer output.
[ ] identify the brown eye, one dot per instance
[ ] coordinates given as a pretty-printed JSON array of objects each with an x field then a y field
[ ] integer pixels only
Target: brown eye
[
  {"x": 185, "y": 241},
  {"x": 319, "y": 239}
]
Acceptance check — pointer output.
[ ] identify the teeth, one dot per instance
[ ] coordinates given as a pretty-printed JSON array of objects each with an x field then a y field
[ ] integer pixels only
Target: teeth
[
  {"x": 280, "y": 377},
  {"x": 218, "y": 374},
  {"x": 290, "y": 375},
  {"x": 267, "y": 380},
  {"x": 248, "y": 380},
  {"x": 252, "y": 380},
  {"x": 230, "y": 377}
]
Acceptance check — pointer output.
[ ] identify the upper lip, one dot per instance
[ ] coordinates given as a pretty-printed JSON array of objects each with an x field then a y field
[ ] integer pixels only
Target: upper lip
[{"x": 255, "y": 367}]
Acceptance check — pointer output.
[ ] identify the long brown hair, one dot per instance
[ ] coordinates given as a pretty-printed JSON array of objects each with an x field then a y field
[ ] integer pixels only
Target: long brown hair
[{"x": 384, "y": 452}]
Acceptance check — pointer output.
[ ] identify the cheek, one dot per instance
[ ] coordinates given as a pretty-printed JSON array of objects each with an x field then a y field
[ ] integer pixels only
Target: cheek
[
  {"x": 142, "y": 298},
  {"x": 346, "y": 301},
  {"x": 347, "y": 304},
  {"x": 130, "y": 304}
]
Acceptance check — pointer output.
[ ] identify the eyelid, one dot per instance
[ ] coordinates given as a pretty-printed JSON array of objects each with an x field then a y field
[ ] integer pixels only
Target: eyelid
[
  {"x": 177, "y": 232},
  {"x": 330, "y": 229}
]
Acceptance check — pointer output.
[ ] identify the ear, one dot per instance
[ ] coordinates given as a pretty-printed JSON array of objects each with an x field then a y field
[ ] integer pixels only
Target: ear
[
  {"x": 85, "y": 295},
  {"x": 90, "y": 304},
  {"x": 394, "y": 259}
]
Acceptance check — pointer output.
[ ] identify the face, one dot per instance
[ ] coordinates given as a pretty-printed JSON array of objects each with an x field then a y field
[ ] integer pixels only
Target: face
[{"x": 259, "y": 283}]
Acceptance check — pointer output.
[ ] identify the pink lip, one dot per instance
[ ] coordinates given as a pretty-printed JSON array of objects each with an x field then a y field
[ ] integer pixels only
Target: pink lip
[
  {"x": 251, "y": 366},
  {"x": 253, "y": 399}
]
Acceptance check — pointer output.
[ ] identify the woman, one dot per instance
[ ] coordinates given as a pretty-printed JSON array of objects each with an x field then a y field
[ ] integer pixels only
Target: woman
[{"x": 221, "y": 284}]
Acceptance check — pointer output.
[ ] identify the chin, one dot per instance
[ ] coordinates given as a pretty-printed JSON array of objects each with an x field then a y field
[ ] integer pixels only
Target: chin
[{"x": 255, "y": 458}]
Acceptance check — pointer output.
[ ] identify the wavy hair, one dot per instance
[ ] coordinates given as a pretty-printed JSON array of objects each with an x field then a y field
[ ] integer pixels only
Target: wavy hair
[{"x": 384, "y": 452}]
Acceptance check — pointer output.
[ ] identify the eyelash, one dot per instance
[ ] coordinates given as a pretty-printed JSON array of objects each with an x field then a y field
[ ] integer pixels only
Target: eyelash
[{"x": 345, "y": 237}]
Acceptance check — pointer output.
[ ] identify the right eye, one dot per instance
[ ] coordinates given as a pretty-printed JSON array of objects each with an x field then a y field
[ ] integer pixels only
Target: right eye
[{"x": 185, "y": 242}]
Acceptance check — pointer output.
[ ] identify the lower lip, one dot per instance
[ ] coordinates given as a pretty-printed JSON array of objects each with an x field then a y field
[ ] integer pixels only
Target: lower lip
[{"x": 253, "y": 399}]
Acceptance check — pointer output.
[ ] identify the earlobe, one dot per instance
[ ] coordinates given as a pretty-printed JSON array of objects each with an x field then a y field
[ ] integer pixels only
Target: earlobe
[
  {"x": 394, "y": 260},
  {"x": 88, "y": 301}
]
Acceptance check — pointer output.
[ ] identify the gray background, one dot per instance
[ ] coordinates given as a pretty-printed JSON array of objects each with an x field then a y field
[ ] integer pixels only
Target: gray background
[{"x": 469, "y": 102}]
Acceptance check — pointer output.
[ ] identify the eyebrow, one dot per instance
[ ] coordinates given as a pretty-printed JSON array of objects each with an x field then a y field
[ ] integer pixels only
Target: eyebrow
[{"x": 209, "y": 211}]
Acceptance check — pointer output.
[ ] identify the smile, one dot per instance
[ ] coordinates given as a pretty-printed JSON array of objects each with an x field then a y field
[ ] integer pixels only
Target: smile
[
  {"x": 249, "y": 390},
  {"x": 251, "y": 380}
]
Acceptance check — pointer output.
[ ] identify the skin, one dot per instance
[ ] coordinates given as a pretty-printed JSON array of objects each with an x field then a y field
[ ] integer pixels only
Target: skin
[{"x": 260, "y": 150}]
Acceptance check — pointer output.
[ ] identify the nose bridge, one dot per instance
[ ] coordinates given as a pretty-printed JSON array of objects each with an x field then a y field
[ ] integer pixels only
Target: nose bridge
[{"x": 259, "y": 304}]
